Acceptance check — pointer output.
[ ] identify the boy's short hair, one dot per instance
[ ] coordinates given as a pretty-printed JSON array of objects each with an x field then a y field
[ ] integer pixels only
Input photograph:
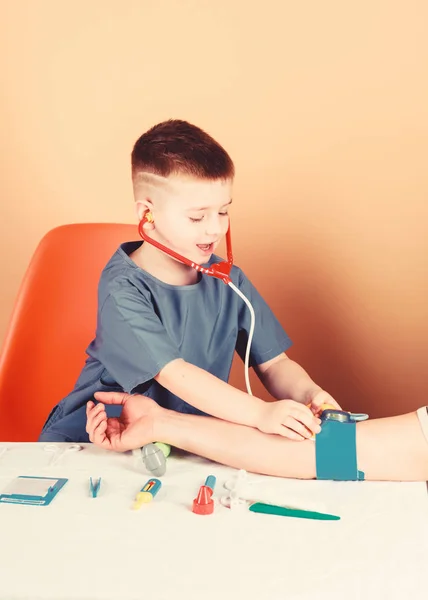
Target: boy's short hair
[{"x": 177, "y": 147}]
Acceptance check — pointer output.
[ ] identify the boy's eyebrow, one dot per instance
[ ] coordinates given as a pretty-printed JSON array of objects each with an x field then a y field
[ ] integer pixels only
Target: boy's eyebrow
[{"x": 206, "y": 207}]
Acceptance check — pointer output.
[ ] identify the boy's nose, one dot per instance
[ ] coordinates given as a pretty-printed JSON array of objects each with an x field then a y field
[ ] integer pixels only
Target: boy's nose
[{"x": 214, "y": 227}]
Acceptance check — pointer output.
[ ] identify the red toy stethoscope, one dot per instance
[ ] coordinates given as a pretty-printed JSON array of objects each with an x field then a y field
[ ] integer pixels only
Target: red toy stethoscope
[{"x": 220, "y": 270}]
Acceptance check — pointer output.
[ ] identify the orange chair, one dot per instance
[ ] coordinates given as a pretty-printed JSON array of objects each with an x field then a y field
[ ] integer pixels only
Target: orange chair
[{"x": 52, "y": 324}]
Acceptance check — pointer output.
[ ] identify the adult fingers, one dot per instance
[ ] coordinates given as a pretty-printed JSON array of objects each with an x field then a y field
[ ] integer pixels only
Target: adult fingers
[
  {"x": 112, "y": 397},
  {"x": 92, "y": 416},
  {"x": 98, "y": 430}
]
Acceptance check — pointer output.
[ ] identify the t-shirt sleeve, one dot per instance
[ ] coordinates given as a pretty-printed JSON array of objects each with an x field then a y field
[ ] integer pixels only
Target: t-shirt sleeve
[
  {"x": 132, "y": 342},
  {"x": 269, "y": 339}
]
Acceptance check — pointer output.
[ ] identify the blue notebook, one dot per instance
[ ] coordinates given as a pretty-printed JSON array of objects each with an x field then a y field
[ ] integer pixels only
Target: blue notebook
[{"x": 36, "y": 491}]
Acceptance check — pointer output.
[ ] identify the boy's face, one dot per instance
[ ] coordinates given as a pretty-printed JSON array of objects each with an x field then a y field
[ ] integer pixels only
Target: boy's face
[{"x": 190, "y": 215}]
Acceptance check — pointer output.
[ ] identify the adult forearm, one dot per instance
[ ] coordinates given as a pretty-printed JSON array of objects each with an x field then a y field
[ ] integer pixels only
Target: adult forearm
[
  {"x": 237, "y": 445},
  {"x": 391, "y": 449},
  {"x": 210, "y": 394}
]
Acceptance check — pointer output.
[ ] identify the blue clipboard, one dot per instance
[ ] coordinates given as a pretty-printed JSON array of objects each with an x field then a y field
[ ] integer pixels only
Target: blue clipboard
[{"x": 36, "y": 491}]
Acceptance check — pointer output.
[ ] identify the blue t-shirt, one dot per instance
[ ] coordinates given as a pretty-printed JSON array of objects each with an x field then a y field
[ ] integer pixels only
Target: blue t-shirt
[{"x": 144, "y": 323}]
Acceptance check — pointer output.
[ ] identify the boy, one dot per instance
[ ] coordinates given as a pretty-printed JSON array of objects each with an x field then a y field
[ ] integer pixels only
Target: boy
[{"x": 166, "y": 331}]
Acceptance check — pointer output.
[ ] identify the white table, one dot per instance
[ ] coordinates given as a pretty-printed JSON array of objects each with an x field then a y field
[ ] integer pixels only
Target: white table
[{"x": 85, "y": 548}]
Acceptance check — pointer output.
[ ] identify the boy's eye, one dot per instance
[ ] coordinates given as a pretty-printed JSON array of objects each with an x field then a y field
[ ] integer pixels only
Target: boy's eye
[{"x": 198, "y": 220}]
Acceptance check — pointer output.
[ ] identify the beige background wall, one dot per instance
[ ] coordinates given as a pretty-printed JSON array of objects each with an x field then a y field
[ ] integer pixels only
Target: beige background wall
[{"x": 324, "y": 108}]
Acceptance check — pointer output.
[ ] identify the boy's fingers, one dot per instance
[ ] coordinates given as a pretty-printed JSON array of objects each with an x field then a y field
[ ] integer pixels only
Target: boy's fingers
[
  {"x": 112, "y": 397},
  {"x": 296, "y": 426},
  {"x": 289, "y": 433},
  {"x": 323, "y": 401},
  {"x": 302, "y": 409},
  {"x": 306, "y": 417}
]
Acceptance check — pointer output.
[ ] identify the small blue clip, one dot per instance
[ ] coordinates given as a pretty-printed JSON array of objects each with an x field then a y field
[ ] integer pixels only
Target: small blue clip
[{"x": 94, "y": 487}]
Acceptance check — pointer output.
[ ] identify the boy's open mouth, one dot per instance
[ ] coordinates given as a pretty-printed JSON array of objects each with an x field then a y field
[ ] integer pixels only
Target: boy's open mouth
[{"x": 205, "y": 247}]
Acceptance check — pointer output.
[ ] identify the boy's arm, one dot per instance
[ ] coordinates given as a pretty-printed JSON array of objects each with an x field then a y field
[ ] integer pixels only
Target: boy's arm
[
  {"x": 210, "y": 394},
  {"x": 284, "y": 378},
  {"x": 219, "y": 399},
  {"x": 134, "y": 347}
]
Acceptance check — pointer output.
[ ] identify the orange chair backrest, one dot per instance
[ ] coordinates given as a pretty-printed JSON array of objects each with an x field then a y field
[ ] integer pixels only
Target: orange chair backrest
[{"x": 53, "y": 322}]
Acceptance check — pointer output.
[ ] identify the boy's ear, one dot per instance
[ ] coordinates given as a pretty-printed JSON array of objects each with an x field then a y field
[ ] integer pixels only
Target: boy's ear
[{"x": 143, "y": 207}]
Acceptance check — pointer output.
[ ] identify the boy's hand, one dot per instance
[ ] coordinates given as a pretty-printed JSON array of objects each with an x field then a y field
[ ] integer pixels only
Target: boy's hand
[
  {"x": 132, "y": 429},
  {"x": 319, "y": 398},
  {"x": 290, "y": 419}
]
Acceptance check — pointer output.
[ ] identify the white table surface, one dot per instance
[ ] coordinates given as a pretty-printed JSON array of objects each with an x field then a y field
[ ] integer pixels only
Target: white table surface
[{"x": 85, "y": 548}]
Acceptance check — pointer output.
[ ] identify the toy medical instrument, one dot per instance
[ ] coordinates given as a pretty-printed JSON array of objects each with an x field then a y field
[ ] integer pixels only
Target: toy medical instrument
[
  {"x": 166, "y": 448},
  {"x": 94, "y": 486},
  {"x": 236, "y": 498},
  {"x": 147, "y": 493},
  {"x": 220, "y": 270},
  {"x": 58, "y": 452},
  {"x": 154, "y": 459},
  {"x": 340, "y": 415},
  {"x": 252, "y": 494},
  {"x": 36, "y": 491},
  {"x": 210, "y": 482},
  {"x": 203, "y": 504},
  {"x": 286, "y": 511},
  {"x": 335, "y": 446}
]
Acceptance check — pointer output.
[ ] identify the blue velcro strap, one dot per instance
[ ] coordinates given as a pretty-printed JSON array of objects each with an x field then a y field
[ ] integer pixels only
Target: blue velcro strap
[{"x": 336, "y": 451}]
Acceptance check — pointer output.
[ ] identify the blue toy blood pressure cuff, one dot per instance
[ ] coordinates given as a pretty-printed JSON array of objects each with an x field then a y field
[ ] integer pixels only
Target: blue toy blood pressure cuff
[{"x": 336, "y": 447}]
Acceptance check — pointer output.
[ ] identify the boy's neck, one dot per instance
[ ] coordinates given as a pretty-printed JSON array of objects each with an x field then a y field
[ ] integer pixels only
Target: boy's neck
[{"x": 163, "y": 267}]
